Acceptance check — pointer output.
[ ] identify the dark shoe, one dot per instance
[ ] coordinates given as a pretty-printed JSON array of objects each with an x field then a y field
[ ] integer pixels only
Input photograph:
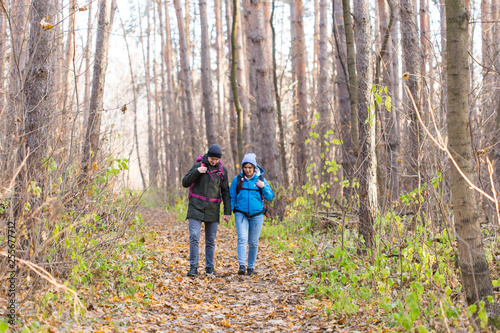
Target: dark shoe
[
  {"x": 241, "y": 271},
  {"x": 250, "y": 271},
  {"x": 193, "y": 271},
  {"x": 210, "y": 271}
]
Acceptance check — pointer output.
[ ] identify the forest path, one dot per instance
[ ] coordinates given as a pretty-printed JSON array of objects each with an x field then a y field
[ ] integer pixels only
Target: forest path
[{"x": 274, "y": 300}]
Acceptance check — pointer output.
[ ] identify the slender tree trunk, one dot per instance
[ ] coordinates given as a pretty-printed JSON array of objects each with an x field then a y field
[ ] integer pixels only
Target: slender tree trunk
[
  {"x": 232, "y": 112},
  {"x": 3, "y": 46},
  {"x": 301, "y": 123},
  {"x": 68, "y": 64},
  {"x": 348, "y": 157},
  {"x": 324, "y": 110},
  {"x": 186, "y": 78},
  {"x": 219, "y": 47},
  {"x": 351, "y": 66},
  {"x": 88, "y": 72},
  {"x": 91, "y": 145},
  {"x": 174, "y": 137},
  {"x": 411, "y": 46},
  {"x": 134, "y": 103},
  {"x": 367, "y": 160},
  {"x": 234, "y": 83},
  {"x": 206, "y": 76},
  {"x": 282, "y": 148},
  {"x": 38, "y": 91},
  {"x": 248, "y": 137},
  {"x": 261, "y": 60},
  {"x": 472, "y": 260}
]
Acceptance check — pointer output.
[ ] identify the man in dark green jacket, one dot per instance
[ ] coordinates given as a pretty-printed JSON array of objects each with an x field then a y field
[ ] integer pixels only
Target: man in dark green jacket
[{"x": 208, "y": 186}]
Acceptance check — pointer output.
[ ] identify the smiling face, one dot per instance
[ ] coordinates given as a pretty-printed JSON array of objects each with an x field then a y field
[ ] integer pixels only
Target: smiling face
[
  {"x": 248, "y": 170},
  {"x": 213, "y": 160}
]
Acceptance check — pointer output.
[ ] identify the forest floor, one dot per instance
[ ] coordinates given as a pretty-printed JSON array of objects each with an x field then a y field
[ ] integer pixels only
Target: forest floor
[{"x": 273, "y": 300}]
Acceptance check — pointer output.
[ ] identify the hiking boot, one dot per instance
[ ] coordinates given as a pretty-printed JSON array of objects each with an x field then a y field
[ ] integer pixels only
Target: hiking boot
[
  {"x": 241, "y": 271},
  {"x": 250, "y": 271},
  {"x": 210, "y": 271},
  {"x": 193, "y": 271}
]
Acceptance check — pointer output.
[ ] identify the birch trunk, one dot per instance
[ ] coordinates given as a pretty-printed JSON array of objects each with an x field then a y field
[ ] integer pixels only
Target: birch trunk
[{"x": 88, "y": 72}]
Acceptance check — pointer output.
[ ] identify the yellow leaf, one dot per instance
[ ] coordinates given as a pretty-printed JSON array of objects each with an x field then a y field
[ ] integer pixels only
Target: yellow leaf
[
  {"x": 406, "y": 76},
  {"x": 82, "y": 9},
  {"x": 225, "y": 323},
  {"x": 94, "y": 166},
  {"x": 44, "y": 24},
  {"x": 124, "y": 108}
]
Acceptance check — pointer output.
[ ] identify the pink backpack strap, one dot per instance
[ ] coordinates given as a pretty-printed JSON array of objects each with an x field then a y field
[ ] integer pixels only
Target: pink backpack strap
[{"x": 221, "y": 174}]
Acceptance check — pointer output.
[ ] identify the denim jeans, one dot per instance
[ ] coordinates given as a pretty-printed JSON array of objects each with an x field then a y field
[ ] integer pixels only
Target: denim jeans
[
  {"x": 248, "y": 230},
  {"x": 194, "y": 242}
]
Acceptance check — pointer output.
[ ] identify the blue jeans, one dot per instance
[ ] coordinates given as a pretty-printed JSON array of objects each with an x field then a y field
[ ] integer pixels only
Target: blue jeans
[
  {"x": 194, "y": 242},
  {"x": 248, "y": 230}
]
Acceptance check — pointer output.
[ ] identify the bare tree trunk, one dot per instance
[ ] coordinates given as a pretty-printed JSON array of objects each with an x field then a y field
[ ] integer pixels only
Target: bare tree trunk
[
  {"x": 186, "y": 78},
  {"x": 206, "y": 76},
  {"x": 282, "y": 148},
  {"x": 68, "y": 61},
  {"x": 352, "y": 83},
  {"x": 249, "y": 140},
  {"x": 219, "y": 47},
  {"x": 325, "y": 113},
  {"x": 234, "y": 83},
  {"x": 411, "y": 45},
  {"x": 232, "y": 112},
  {"x": 301, "y": 122},
  {"x": 91, "y": 144},
  {"x": 348, "y": 157},
  {"x": 134, "y": 103},
  {"x": 261, "y": 60},
  {"x": 472, "y": 260},
  {"x": 174, "y": 137},
  {"x": 367, "y": 160},
  {"x": 88, "y": 72},
  {"x": 3, "y": 46},
  {"x": 38, "y": 91}
]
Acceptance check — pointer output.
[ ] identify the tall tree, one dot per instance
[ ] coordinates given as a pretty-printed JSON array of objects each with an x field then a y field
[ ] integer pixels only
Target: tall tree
[
  {"x": 367, "y": 160},
  {"x": 91, "y": 144},
  {"x": 348, "y": 156},
  {"x": 412, "y": 61},
  {"x": 261, "y": 60},
  {"x": 301, "y": 128},
  {"x": 219, "y": 48},
  {"x": 324, "y": 110},
  {"x": 234, "y": 83},
  {"x": 88, "y": 72},
  {"x": 3, "y": 45},
  {"x": 38, "y": 91},
  {"x": 351, "y": 66},
  {"x": 472, "y": 260},
  {"x": 68, "y": 62},
  {"x": 282, "y": 148},
  {"x": 186, "y": 77},
  {"x": 206, "y": 76}
]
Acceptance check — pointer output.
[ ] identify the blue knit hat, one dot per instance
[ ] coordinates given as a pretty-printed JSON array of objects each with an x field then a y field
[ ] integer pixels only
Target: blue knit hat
[
  {"x": 214, "y": 151},
  {"x": 249, "y": 158}
]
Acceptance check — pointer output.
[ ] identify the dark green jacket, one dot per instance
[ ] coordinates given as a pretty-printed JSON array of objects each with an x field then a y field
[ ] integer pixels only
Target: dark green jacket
[{"x": 205, "y": 210}]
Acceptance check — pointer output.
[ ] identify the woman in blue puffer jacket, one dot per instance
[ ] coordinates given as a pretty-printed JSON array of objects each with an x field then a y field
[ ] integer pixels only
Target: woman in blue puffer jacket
[{"x": 247, "y": 190}]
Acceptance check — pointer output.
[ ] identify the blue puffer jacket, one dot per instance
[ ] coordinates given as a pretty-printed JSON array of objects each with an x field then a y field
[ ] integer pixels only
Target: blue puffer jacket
[{"x": 249, "y": 200}]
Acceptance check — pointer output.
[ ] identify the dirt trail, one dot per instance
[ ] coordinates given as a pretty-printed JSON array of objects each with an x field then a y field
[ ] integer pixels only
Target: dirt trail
[{"x": 271, "y": 301}]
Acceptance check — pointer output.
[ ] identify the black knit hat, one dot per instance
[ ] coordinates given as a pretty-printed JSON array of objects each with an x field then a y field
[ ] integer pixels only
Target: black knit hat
[{"x": 214, "y": 151}]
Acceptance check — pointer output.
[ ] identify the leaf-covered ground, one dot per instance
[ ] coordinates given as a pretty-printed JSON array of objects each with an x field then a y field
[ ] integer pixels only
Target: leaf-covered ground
[{"x": 168, "y": 301}]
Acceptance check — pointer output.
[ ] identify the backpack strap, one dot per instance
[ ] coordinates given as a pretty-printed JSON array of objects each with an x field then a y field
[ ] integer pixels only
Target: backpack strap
[{"x": 220, "y": 172}]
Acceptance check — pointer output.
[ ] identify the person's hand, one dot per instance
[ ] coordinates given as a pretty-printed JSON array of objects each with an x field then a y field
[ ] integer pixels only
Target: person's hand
[
  {"x": 260, "y": 183},
  {"x": 202, "y": 169},
  {"x": 226, "y": 217}
]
